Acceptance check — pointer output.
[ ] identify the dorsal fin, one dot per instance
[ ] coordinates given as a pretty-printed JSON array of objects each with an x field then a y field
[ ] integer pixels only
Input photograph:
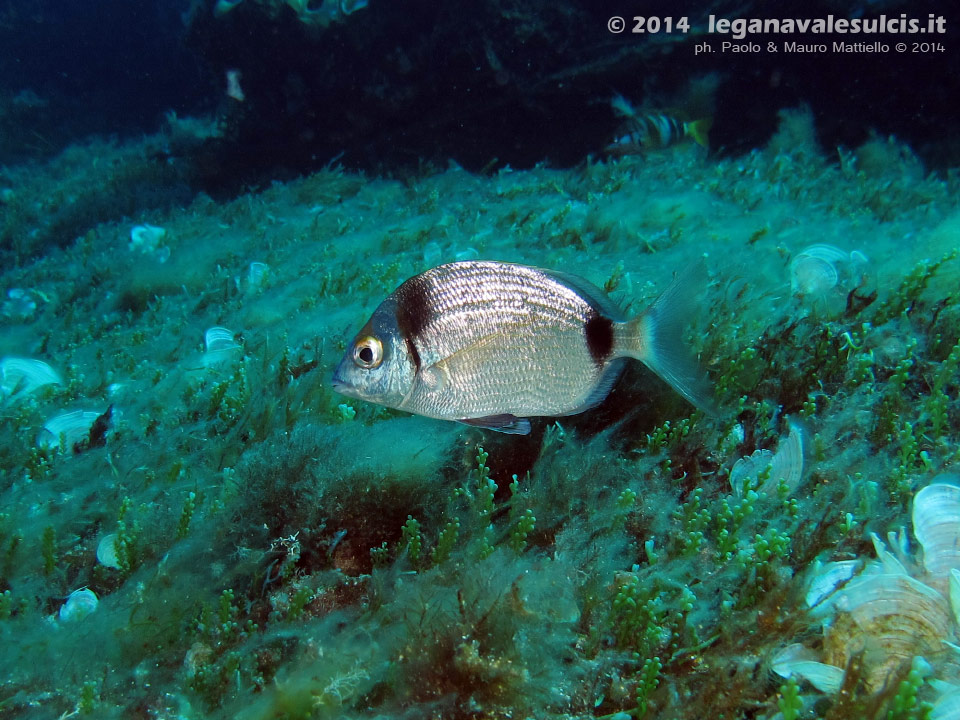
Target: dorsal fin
[{"x": 589, "y": 292}]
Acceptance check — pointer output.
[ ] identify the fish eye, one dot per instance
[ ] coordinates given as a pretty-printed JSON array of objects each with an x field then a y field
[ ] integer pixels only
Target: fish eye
[{"x": 368, "y": 352}]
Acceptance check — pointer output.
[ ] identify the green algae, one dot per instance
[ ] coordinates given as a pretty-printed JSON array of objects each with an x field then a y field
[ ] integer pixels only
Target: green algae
[{"x": 283, "y": 557}]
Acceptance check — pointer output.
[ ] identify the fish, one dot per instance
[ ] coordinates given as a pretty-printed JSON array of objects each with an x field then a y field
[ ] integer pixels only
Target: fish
[
  {"x": 492, "y": 344},
  {"x": 657, "y": 130},
  {"x": 642, "y": 131}
]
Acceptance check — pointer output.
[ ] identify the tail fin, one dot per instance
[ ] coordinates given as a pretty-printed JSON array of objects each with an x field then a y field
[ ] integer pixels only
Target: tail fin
[
  {"x": 698, "y": 131},
  {"x": 655, "y": 337}
]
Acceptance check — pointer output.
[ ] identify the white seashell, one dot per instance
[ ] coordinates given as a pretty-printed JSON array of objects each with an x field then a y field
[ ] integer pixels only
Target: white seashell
[
  {"x": 148, "y": 239},
  {"x": 895, "y": 617},
  {"x": 889, "y": 618},
  {"x": 947, "y": 706},
  {"x": 825, "y": 252},
  {"x": 936, "y": 525},
  {"x": 257, "y": 275},
  {"x": 785, "y": 465},
  {"x": 107, "y": 551},
  {"x": 73, "y": 427},
  {"x": 254, "y": 280},
  {"x": 889, "y": 562},
  {"x": 828, "y": 578},
  {"x": 899, "y": 542},
  {"x": 810, "y": 275},
  {"x": 20, "y": 304},
  {"x": 942, "y": 687},
  {"x": 219, "y": 338},
  {"x": 798, "y": 660},
  {"x": 955, "y": 593},
  {"x": 871, "y": 594},
  {"x": 220, "y": 346},
  {"x": 819, "y": 268},
  {"x": 749, "y": 467},
  {"x": 732, "y": 440},
  {"x": 735, "y": 436},
  {"x": 21, "y": 376},
  {"x": 80, "y": 604}
]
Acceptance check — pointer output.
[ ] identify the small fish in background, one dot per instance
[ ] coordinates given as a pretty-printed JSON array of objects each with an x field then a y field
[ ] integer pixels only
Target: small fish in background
[
  {"x": 491, "y": 344},
  {"x": 643, "y": 131}
]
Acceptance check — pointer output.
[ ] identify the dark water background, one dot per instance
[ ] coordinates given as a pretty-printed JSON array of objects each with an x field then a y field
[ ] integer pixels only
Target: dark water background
[{"x": 403, "y": 82}]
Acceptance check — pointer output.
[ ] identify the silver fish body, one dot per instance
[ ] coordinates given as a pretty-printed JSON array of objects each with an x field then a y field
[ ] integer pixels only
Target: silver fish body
[{"x": 492, "y": 343}]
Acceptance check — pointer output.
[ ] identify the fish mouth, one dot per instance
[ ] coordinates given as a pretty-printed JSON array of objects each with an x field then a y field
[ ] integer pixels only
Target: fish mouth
[{"x": 342, "y": 386}]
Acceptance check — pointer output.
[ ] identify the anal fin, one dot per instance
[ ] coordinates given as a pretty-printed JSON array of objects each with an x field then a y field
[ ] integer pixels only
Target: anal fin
[{"x": 506, "y": 423}]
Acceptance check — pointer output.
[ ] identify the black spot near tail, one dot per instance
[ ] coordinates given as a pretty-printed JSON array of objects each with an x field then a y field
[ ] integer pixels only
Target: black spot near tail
[{"x": 598, "y": 332}]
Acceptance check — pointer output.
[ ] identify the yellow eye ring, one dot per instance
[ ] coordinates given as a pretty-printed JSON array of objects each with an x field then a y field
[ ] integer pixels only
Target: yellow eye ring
[{"x": 368, "y": 352}]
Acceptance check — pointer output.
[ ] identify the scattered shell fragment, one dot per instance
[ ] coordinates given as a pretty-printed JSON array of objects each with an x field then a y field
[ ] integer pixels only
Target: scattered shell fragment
[
  {"x": 220, "y": 346},
  {"x": 888, "y": 562},
  {"x": 947, "y": 706},
  {"x": 936, "y": 525},
  {"x": 812, "y": 275},
  {"x": 80, "y": 604},
  {"x": 954, "y": 592},
  {"x": 148, "y": 239},
  {"x": 67, "y": 430},
  {"x": 891, "y": 618},
  {"x": 257, "y": 275},
  {"x": 197, "y": 658},
  {"x": 733, "y": 438},
  {"x": 828, "y": 578},
  {"x": 20, "y": 304},
  {"x": 797, "y": 660},
  {"x": 885, "y": 619},
  {"x": 825, "y": 252},
  {"x": 21, "y": 376},
  {"x": 817, "y": 269},
  {"x": 219, "y": 338},
  {"x": 254, "y": 279},
  {"x": 107, "y": 551},
  {"x": 786, "y": 465}
]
